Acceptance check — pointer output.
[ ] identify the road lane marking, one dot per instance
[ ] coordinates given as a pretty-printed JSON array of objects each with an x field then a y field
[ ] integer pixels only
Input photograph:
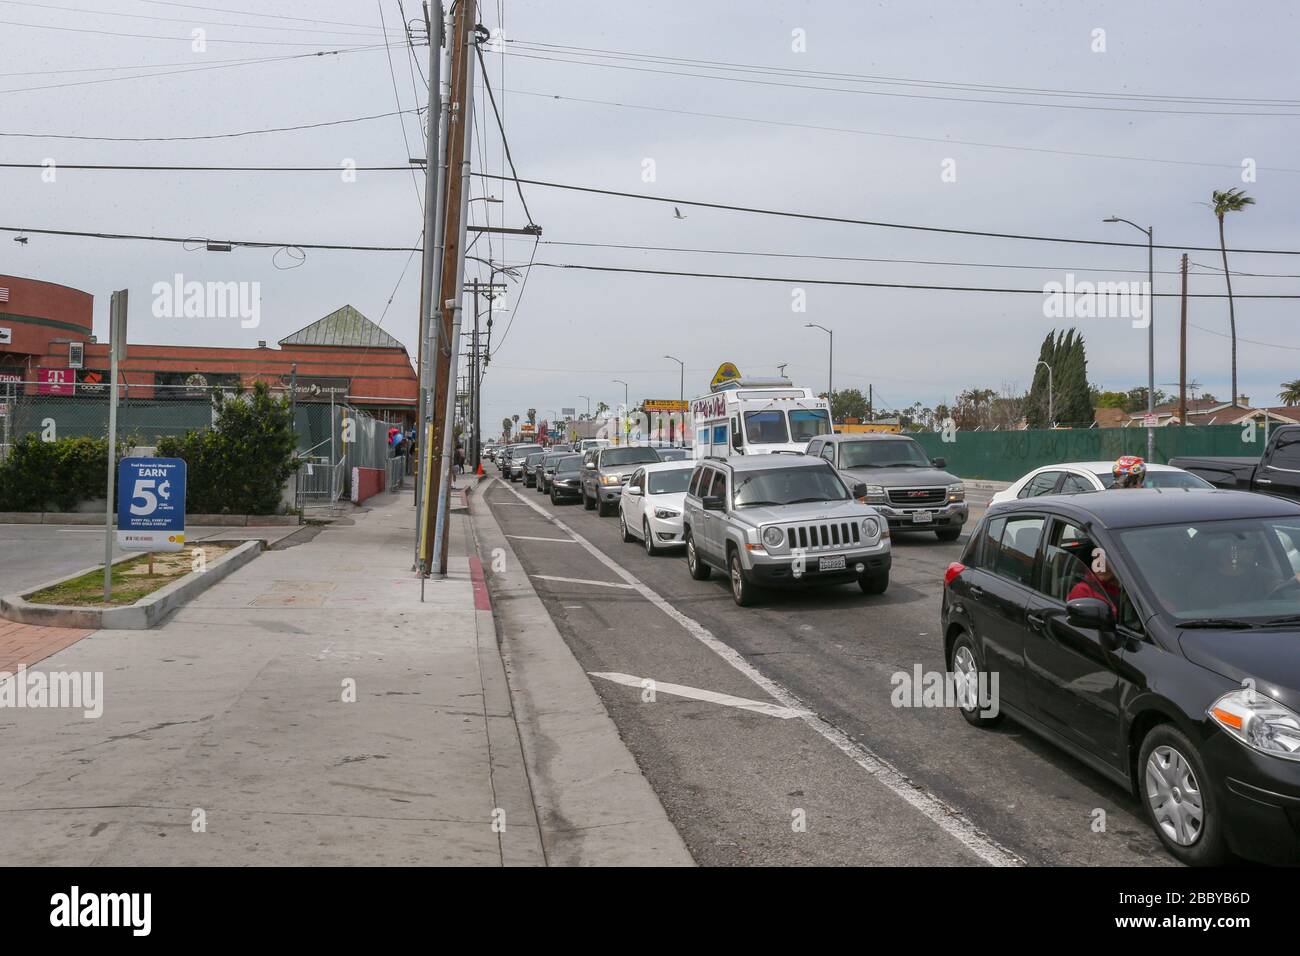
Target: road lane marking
[
  {"x": 948, "y": 818},
  {"x": 599, "y": 584},
  {"x": 529, "y": 537},
  {"x": 712, "y": 697}
]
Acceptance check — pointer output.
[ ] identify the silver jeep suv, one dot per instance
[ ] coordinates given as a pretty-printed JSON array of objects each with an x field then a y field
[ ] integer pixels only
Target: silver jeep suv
[{"x": 781, "y": 521}]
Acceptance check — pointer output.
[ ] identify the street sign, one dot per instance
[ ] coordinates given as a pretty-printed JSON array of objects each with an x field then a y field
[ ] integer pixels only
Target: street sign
[
  {"x": 1150, "y": 420},
  {"x": 151, "y": 504}
]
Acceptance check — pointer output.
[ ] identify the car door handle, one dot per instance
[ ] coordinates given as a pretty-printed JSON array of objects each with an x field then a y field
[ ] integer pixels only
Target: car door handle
[
  {"x": 1263, "y": 481},
  {"x": 1036, "y": 621},
  {"x": 976, "y": 591}
]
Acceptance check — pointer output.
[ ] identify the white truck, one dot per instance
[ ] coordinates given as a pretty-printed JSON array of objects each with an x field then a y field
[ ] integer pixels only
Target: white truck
[{"x": 758, "y": 416}]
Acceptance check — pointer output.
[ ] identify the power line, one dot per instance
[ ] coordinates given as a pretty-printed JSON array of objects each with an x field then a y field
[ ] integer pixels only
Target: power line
[
  {"x": 186, "y": 240},
  {"x": 899, "y": 81},
  {"x": 504, "y": 142},
  {"x": 251, "y": 13},
  {"x": 1226, "y": 335},
  {"x": 514, "y": 310},
  {"x": 147, "y": 36},
  {"x": 909, "y": 96},
  {"x": 947, "y": 141},
  {"x": 398, "y": 99},
  {"x": 208, "y": 136},
  {"x": 843, "y": 220},
  {"x": 863, "y": 284}
]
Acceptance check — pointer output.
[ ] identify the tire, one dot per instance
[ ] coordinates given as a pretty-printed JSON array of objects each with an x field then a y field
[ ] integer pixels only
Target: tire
[
  {"x": 602, "y": 509},
  {"x": 587, "y": 503},
  {"x": 1169, "y": 770},
  {"x": 965, "y": 661},
  {"x": 650, "y": 548},
  {"x": 554, "y": 498},
  {"x": 628, "y": 537},
  {"x": 874, "y": 583},
  {"x": 743, "y": 591},
  {"x": 694, "y": 563},
  {"x": 948, "y": 534}
]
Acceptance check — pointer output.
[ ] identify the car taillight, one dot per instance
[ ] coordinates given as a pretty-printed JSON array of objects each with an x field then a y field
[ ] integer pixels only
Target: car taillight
[{"x": 954, "y": 569}]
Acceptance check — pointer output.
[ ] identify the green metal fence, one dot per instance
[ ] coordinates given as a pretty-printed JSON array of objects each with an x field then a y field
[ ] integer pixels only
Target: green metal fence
[{"x": 1006, "y": 455}]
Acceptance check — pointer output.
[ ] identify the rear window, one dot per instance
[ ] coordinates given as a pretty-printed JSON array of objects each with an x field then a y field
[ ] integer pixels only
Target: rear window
[
  {"x": 1016, "y": 550},
  {"x": 669, "y": 482}
]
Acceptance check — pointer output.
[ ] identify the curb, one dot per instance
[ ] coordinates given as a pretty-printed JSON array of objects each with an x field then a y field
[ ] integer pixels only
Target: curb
[
  {"x": 97, "y": 519},
  {"x": 140, "y": 616},
  {"x": 594, "y": 806}
]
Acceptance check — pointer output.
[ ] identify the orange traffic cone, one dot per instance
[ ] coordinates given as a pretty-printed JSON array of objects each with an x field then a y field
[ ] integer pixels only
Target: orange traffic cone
[{"x": 480, "y": 468}]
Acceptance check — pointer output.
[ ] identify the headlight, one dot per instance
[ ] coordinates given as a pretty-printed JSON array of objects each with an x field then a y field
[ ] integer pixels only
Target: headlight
[
  {"x": 773, "y": 537},
  {"x": 1259, "y": 722},
  {"x": 876, "y": 494},
  {"x": 610, "y": 480},
  {"x": 666, "y": 513},
  {"x": 957, "y": 492},
  {"x": 870, "y": 527}
]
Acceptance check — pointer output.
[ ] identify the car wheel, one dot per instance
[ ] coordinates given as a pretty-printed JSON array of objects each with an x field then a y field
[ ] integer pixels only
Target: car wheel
[
  {"x": 587, "y": 503},
  {"x": 628, "y": 537},
  {"x": 1181, "y": 806},
  {"x": 744, "y": 593},
  {"x": 966, "y": 667},
  {"x": 874, "y": 583},
  {"x": 948, "y": 534},
  {"x": 554, "y": 498},
  {"x": 650, "y": 548},
  {"x": 602, "y": 508},
  {"x": 694, "y": 563}
]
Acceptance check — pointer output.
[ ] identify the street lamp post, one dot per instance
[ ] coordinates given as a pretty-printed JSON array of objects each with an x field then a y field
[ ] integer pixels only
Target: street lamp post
[
  {"x": 619, "y": 381},
  {"x": 830, "y": 367},
  {"x": 588, "y": 398},
  {"x": 681, "y": 386},
  {"x": 1150, "y": 232},
  {"x": 1051, "y": 419}
]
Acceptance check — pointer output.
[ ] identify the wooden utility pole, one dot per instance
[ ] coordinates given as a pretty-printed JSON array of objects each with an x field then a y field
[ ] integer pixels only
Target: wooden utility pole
[
  {"x": 445, "y": 306},
  {"x": 1182, "y": 351}
]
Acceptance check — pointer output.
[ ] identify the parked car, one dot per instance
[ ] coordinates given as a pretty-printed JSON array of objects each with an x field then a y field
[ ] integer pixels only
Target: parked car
[
  {"x": 517, "y": 461},
  {"x": 606, "y": 470},
  {"x": 532, "y": 464},
  {"x": 587, "y": 444},
  {"x": 1275, "y": 472},
  {"x": 1081, "y": 477},
  {"x": 546, "y": 469},
  {"x": 1153, "y": 636},
  {"x": 651, "y": 504},
  {"x": 781, "y": 520},
  {"x": 566, "y": 481},
  {"x": 903, "y": 484}
]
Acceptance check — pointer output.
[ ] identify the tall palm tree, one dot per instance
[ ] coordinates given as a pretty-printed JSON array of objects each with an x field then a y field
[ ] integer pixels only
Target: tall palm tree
[
  {"x": 1234, "y": 200},
  {"x": 1290, "y": 394},
  {"x": 505, "y": 426}
]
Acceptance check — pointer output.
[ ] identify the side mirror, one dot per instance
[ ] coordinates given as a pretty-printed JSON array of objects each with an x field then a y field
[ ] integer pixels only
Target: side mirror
[
  {"x": 860, "y": 489},
  {"x": 939, "y": 462},
  {"x": 713, "y": 503},
  {"x": 634, "y": 489},
  {"x": 1091, "y": 613},
  {"x": 735, "y": 440}
]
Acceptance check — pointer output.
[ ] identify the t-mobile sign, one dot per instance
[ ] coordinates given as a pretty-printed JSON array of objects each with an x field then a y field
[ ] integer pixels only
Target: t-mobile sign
[{"x": 56, "y": 381}]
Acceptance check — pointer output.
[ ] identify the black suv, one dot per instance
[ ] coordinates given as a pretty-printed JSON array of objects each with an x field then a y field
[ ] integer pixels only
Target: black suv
[{"x": 1155, "y": 635}]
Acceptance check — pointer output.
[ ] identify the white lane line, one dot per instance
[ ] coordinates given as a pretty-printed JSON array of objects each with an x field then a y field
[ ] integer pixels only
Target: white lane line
[
  {"x": 599, "y": 584},
  {"x": 529, "y": 537},
  {"x": 948, "y": 818},
  {"x": 696, "y": 693}
]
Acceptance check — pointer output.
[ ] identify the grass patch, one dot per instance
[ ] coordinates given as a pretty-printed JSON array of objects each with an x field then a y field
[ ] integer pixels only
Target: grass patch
[{"x": 131, "y": 579}]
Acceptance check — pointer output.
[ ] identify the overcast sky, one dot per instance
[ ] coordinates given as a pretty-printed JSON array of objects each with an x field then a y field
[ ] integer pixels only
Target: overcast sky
[{"x": 574, "y": 331}]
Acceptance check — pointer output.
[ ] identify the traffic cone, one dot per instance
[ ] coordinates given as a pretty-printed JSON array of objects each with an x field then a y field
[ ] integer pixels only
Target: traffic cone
[{"x": 480, "y": 468}]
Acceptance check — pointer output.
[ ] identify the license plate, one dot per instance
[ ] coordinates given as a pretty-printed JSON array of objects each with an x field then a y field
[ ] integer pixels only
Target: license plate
[
  {"x": 835, "y": 563},
  {"x": 922, "y": 517}
]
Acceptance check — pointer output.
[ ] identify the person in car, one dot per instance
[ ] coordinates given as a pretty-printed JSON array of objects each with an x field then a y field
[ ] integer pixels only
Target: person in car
[
  {"x": 1129, "y": 472},
  {"x": 1101, "y": 584}
]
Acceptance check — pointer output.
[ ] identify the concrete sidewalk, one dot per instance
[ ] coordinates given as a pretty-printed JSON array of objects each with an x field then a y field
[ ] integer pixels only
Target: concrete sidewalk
[{"x": 308, "y": 710}]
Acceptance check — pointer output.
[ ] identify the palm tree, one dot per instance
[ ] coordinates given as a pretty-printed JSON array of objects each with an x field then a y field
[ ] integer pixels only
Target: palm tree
[
  {"x": 1290, "y": 394},
  {"x": 505, "y": 426},
  {"x": 1234, "y": 200}
]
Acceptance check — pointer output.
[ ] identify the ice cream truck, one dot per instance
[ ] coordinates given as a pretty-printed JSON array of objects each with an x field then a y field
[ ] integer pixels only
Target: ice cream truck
[{"x": 756, "y": 416}]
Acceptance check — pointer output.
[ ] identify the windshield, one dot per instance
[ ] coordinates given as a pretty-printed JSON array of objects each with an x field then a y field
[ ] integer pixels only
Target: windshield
[
  {"x": 1240, "y": 569},
  {"x": 1162, "y": 479},
  {"x": 669, "y": 482},
  {"x": 627, "y": 456},
  {"x": 674, "y": 454},
  {"x": 884, "y": 453},
  {"x": 765, "y": 428},
  {"x": 807, "y": 423},
  {"x": 788, "y": 486}
]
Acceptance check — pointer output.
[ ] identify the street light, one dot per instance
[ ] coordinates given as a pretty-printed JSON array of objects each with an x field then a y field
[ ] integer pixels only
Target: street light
[
  {"x": 681, "y": 389},
  {"x": 1050, "y": 417},
  {"x": 1150, "y": 232},
  {"x": 588, "y": 398},
  {"x": 619, "y": 381},
  {"x": 830, "y": 366}
]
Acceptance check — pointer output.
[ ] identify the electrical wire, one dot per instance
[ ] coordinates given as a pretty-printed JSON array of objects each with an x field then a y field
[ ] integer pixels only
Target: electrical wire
[
  {"x": 392, "y": 74},
  {"x": 183, "y": 240},
  {"x": 147, "y": 36},
  {"x": 505, "y": 142},
  {"x": 252, "y": 13},
  {"x": 514, "y": 310},
  {"x": 207, "y": 136}
]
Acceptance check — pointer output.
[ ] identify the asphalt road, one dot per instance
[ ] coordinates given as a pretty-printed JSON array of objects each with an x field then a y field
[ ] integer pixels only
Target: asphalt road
[{"x": 851, "y": 779}]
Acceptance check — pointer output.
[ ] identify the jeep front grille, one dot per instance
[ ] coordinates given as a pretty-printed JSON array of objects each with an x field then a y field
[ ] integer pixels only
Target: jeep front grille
[{"x": 831, "y": 534}]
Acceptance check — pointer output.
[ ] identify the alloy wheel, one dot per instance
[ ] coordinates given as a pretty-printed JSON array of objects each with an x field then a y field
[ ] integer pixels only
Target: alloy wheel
[
  {"x": 1174, "y": 796},
  {"x": 965, "y": 673}
]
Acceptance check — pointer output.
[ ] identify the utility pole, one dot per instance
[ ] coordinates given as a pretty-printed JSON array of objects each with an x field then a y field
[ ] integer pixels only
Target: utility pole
[
  {"x": 871, "y": 403},
  {"x": 437, "y": 501},
  {"x": 1182, "y": 351}
]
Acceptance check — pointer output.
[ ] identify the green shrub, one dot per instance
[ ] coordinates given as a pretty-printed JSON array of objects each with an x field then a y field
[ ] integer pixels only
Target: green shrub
[
  {"x": 241, "y": 463},
  {"x": 63, "y": 472}
]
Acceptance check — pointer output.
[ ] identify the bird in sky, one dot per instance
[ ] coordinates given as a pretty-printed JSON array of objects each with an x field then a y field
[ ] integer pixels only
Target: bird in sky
[{"x": 677, "y": 213}]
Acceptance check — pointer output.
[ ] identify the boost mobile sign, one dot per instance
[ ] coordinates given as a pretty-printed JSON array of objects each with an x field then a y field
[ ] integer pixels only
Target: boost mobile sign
[{"x": 151, "y": 504}]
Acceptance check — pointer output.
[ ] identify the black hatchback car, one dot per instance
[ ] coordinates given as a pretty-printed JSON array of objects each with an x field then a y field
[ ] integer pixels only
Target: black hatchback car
[{"x": 1155, "y": 635}]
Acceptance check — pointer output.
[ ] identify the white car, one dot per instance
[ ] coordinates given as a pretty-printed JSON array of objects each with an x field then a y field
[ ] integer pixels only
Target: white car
[
  {"x": 651, "y": 504},
  {"x": 1077, "y": 477}
]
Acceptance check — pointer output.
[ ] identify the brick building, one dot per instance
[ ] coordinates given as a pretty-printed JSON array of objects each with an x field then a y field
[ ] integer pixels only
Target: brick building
[{"x": 43, "y": 327}]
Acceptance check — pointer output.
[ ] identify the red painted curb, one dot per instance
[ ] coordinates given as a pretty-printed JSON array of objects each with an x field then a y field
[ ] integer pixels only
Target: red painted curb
[{"x": 481, "y": 600}]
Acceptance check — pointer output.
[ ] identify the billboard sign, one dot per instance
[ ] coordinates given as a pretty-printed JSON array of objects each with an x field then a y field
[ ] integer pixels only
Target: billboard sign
[
  {"x": 151, "y": 504},
  {"x": 55, "y": 381}
]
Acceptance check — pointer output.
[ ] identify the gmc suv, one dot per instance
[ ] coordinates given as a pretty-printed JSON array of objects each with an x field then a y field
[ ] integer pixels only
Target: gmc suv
[{"x": 782, "y": 520}]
